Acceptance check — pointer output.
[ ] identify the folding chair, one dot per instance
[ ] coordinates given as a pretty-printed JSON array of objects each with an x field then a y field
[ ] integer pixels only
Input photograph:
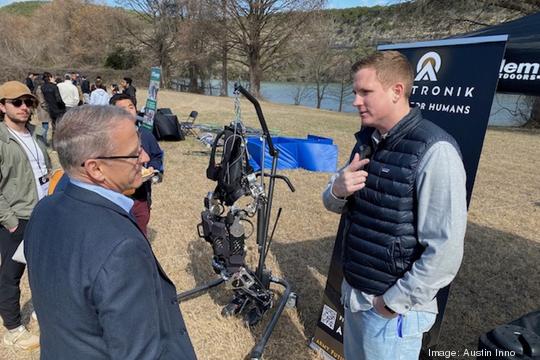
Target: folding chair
[{"x": 188, "y": 126}]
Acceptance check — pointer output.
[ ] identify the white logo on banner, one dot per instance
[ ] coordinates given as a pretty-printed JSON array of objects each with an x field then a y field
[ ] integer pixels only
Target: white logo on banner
[
  {"x": 428, "y": 66},
  {"x": 519, "y": 71}
]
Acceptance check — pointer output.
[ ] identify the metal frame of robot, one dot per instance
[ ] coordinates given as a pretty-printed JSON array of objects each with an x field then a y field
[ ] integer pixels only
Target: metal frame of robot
[{"x": 263, "y": 221}]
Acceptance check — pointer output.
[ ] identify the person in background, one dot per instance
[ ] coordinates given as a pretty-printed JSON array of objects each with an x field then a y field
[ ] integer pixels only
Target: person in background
[
  {"x": 99, "y": 96},
  {"x": 85, "y": 88},
  {"x": 29, "y": 81},
  {"x": 403, "y": 201},
  {"x": 115, "y": 89},
  {"x": 143, "y": 194},
  {"x": 97, "y": 288},
  {"x": 69, "y": 92},
  {"x": 24, "y": 170},
  {"x": 54, "y": 103},
  {"x": 129, "y": 89},
  {"x": 75, "y": 78},
  {"x": 43, "y": 113}
]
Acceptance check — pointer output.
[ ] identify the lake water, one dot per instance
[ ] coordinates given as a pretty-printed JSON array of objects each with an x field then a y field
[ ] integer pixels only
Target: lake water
[{"x": 507, "y": 109}]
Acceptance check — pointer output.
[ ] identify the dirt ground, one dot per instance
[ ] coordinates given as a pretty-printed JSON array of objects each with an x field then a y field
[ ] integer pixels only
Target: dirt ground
[{"x": 498, "y": 281}]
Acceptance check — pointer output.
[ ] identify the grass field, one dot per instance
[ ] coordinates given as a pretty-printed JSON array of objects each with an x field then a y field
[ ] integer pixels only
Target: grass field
[{"x": 498, "y": 281}]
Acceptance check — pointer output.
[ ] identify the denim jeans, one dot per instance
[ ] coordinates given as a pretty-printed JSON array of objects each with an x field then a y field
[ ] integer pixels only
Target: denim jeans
[
  {"x": 45, "y": 127},
  {"x": 369, "y": 336}
]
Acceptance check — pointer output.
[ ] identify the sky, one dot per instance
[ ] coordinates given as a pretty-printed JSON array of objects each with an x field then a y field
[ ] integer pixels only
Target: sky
[{"x": 332, "y": 4}]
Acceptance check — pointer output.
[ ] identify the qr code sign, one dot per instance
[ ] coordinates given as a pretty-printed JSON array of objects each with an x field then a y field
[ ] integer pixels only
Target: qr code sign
[{"x": 328, "y": 317}]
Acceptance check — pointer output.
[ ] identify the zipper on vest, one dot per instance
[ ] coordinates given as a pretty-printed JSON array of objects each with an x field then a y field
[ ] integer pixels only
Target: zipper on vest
[{"x": 376, "y": 147}]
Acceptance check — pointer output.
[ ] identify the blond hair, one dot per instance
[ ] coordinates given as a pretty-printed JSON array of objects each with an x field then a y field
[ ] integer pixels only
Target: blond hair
[{"x": 391, "y": 67}]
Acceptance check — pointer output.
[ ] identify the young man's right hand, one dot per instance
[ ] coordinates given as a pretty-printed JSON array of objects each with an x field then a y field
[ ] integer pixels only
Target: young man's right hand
[{"x": 351, "y": 179}]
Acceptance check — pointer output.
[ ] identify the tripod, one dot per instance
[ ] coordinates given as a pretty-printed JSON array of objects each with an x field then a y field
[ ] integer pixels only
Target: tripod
[{"x": 252, "y": 294}]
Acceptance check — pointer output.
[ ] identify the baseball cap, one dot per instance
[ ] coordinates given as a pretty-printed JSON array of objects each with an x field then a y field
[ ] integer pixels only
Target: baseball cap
[{"x": 14, "y": 90}]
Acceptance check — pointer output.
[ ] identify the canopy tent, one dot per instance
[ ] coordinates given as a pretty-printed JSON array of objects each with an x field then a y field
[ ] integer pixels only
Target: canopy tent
[{"x": 520, "y": 68}]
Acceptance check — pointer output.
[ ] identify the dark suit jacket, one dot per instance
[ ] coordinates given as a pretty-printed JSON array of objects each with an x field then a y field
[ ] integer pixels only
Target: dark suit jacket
[{"x": 98, "y": 290}]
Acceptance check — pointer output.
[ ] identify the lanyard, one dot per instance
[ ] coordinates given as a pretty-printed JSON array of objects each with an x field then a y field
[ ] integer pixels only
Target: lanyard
[{"x": 36, "y": 157}]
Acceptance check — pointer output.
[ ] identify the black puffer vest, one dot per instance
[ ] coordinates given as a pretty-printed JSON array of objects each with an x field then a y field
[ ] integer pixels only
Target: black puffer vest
[{"x": 379, "y": 227}]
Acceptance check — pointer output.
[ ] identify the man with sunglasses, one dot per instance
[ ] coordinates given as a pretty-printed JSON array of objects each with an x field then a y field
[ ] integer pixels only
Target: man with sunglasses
[
  {"x": 97, "y": 288},
  {"x": 24, "y": 168}
]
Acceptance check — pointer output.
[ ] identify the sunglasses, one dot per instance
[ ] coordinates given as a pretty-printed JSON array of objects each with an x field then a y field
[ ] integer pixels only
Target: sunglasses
[{"x": 18, "y": 102}]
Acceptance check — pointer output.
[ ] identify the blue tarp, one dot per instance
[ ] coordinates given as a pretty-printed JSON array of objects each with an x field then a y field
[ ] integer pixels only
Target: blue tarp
[{"x": 315, "y": 153}]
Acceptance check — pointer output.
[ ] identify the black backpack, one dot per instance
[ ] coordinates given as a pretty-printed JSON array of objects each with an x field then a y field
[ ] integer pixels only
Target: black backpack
[{"x": 234, "y": 165}]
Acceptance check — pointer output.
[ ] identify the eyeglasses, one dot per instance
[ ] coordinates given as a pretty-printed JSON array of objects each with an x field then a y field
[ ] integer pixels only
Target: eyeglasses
[
  {"x": 18, "y": 102},
  {"x": 119, "y": 157}
]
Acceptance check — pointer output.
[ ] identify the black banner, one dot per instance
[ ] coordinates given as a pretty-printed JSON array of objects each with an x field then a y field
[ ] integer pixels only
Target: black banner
[
  {"x": 519, "y": 75},
  {"x": 519, "y": 71},
  {"x": 455, "y": 81}
]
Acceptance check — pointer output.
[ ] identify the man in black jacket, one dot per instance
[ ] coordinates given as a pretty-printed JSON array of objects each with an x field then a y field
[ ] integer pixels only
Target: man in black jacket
[
  {"x": 129, "y": 89},
  {"x": 97, "y": 288},
  {"x": 29, "y": 81},
  {"x": 85, "y": 88},
  {"x": 51, "y": 94}
]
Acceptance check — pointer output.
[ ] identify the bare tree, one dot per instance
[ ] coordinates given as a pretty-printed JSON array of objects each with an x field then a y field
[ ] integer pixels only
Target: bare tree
[
  {"x": 159, "y": 30},
  {"x": 321, "y": 56},
  {"x": 261, "y": 30},
  {"x": 301, "y": 92},
  {"x": 217, "y": 27},
  {"x": 198, "y": 53},
  {"x": 343, "y": 76},
  {"x": 317, "y": 58}
]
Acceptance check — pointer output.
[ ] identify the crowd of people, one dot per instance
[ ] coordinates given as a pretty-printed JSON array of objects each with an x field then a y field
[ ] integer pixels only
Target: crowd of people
[
  {"x": 97, "y": 288},
  {"x": 56, "y": 95}
]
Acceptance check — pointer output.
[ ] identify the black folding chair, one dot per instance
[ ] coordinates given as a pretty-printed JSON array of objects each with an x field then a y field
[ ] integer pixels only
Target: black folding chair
[{"x": 188, "y": 126}]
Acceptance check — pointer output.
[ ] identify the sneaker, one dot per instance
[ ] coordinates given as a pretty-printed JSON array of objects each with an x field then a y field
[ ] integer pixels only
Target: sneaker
[{"x": 21, "y": 338}]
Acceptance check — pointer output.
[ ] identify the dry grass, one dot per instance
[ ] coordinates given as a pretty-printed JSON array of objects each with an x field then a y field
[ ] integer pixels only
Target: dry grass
[{"x": 498, "y": 282}]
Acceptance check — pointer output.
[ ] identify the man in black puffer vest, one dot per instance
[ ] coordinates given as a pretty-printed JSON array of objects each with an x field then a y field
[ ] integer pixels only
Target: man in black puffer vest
[{"x": 403, "y": 203}]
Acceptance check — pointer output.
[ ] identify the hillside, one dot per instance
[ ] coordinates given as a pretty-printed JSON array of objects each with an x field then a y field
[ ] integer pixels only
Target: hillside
[
  {"x": 421, "y": 19},
  {"x": 410, "y": 21},
  {"x": 25, "y": 8}
]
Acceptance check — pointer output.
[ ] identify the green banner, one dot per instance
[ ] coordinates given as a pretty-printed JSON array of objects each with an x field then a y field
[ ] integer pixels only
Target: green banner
[{"x": 151, "y": 100}]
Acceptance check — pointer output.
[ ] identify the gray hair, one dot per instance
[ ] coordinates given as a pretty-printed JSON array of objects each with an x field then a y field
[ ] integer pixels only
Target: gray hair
[{"x": 84, "y": 133}]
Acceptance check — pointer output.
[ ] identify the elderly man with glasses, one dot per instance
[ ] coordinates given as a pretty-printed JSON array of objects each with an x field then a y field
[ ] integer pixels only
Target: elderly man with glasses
[
  {"x": 97, "y": 288},
  {"x": 24, "y": 169}
]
